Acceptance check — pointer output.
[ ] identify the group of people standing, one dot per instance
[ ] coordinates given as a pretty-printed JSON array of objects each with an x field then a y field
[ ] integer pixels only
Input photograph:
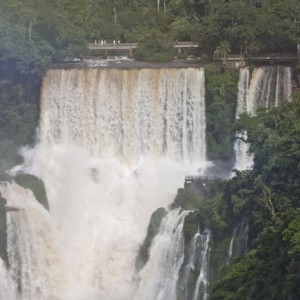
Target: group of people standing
[{"x": 103, "y": 42}]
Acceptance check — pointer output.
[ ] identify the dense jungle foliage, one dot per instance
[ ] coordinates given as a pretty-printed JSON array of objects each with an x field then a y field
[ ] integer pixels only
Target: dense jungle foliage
[
  {"x": 220, "y": 99},
  {"x": 36, "y": 32},
  {"x": 268, "y": 197}
]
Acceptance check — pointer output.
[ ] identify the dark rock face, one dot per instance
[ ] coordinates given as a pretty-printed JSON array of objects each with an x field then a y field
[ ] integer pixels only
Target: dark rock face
[
  {"x": 153, "y": 229},
  {"x": 31, "y": 182},
  {"x": 36, "y": 185}
]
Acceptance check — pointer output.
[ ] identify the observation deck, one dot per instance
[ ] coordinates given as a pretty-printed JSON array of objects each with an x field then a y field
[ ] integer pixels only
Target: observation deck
[
  {"x": 239, "y": 60},
  {"x": 128, "y": 47}
]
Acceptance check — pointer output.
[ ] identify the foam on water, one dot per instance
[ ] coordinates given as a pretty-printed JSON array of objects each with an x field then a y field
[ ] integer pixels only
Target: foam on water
[{"x": 114, "y": 146}]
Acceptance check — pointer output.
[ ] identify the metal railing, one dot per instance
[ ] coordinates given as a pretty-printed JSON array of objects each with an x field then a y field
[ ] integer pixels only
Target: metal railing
[{"x": 128, "y": 46}]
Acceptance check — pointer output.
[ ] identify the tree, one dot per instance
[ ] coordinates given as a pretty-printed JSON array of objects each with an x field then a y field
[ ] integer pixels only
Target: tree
[
  {"x": 270, "y": 270},
  {"x": 223, "y": 49},
  {"x": 183, "y": 30},
  {"x": 221, "y": 91},
  {"x": 155, "y": 46}
]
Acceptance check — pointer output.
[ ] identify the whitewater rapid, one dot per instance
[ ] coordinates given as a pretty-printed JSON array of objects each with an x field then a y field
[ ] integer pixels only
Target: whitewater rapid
[{"x": 114, "y": 145}]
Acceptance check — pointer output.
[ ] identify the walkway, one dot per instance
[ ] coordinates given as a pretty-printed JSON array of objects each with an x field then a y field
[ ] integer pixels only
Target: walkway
[
  {"x": 130, "y": 46},
  {"x": 268, "y": 57}
]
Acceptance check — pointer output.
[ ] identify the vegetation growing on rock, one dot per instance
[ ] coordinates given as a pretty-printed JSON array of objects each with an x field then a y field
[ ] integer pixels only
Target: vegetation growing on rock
[{"x": 267, "y": 197}]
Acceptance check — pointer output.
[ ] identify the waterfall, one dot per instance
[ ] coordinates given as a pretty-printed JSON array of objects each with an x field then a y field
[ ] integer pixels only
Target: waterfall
[
  {"x": 32, "y": 254},
  {"x": 239, "y": 241},
  {"x": 201, "y": 289},
  {"x": 190, "y": 266},
  {"x": 269, "y": 86},
  {"x": 243, "y": 160},
  {"x": 176, "y": 268},
  {"x": 7, "y": 286},
  {"x": 159, "y": 276},
  {"x": 126, "y": 113},
  {"x": 114, "y": 145},
  {"x": 230, "y": 250}
]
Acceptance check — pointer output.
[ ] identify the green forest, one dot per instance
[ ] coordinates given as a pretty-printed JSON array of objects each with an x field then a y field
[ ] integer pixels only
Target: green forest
[
  {"x": 268, "y": 197},
  {"x": 36, "y": 33}
]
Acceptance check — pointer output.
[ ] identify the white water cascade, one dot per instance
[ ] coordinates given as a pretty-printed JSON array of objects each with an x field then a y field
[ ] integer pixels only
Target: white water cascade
[
  {"x": 239, "y": 241},
  {"x": 126, "y": 114},
  {"x": 159, "y": 276},
  {"x": 230, "y": 250},
  {"x": 32, "y": 253},
  {"x": 7, "y": 286},
  {"x": 190, "y": 266},
  {"x": 201, "y": 289},
  {"x": 166, "y": 275},
  {"x": 269, "y": 86},
  {"x": 242, "y": 159},
  {"x": 114, "y": 146}
]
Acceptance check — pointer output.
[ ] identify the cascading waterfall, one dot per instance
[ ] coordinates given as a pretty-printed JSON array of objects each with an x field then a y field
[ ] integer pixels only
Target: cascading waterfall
[
  {"x": 243, "y": 160},
  {"x": 239, "y": 241},
  {"x": 201, "y": 291},
  {"x": 156, "y": 112},
  {"x": 166, "y": 274},
  {"x": 230, "y": 250},
  {"x": 114, "y": 146},
  {"x": 176, "y": 269},
  {"x": 190, "y": 267},
  {"x": 32, "y": 253},
  {"x": 8, "y": 289},
  {"x": 160, "y": 274},
  {"x": 269, "y": 87}
]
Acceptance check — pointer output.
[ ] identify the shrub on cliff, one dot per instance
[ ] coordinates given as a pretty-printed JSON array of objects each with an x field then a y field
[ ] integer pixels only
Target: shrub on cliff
[
  {"x": 271, "y": 199},
  {"x": 154, "y": 47}
]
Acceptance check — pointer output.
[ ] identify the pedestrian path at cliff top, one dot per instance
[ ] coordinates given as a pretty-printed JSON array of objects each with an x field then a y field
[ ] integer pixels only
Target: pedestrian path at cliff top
[{"x": 128, "y": 46}]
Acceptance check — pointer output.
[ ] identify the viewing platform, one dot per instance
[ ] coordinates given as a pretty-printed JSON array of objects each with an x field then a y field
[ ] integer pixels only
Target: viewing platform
[
  {"x": 190, "y": 179},
  {"x": 128, "y": 47},
  {"x": 202, "y": 181},
  {"x": 274, "y": 57},
  {"x": 240, "y": 60},
  {"x": 113, "y": 46}
]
